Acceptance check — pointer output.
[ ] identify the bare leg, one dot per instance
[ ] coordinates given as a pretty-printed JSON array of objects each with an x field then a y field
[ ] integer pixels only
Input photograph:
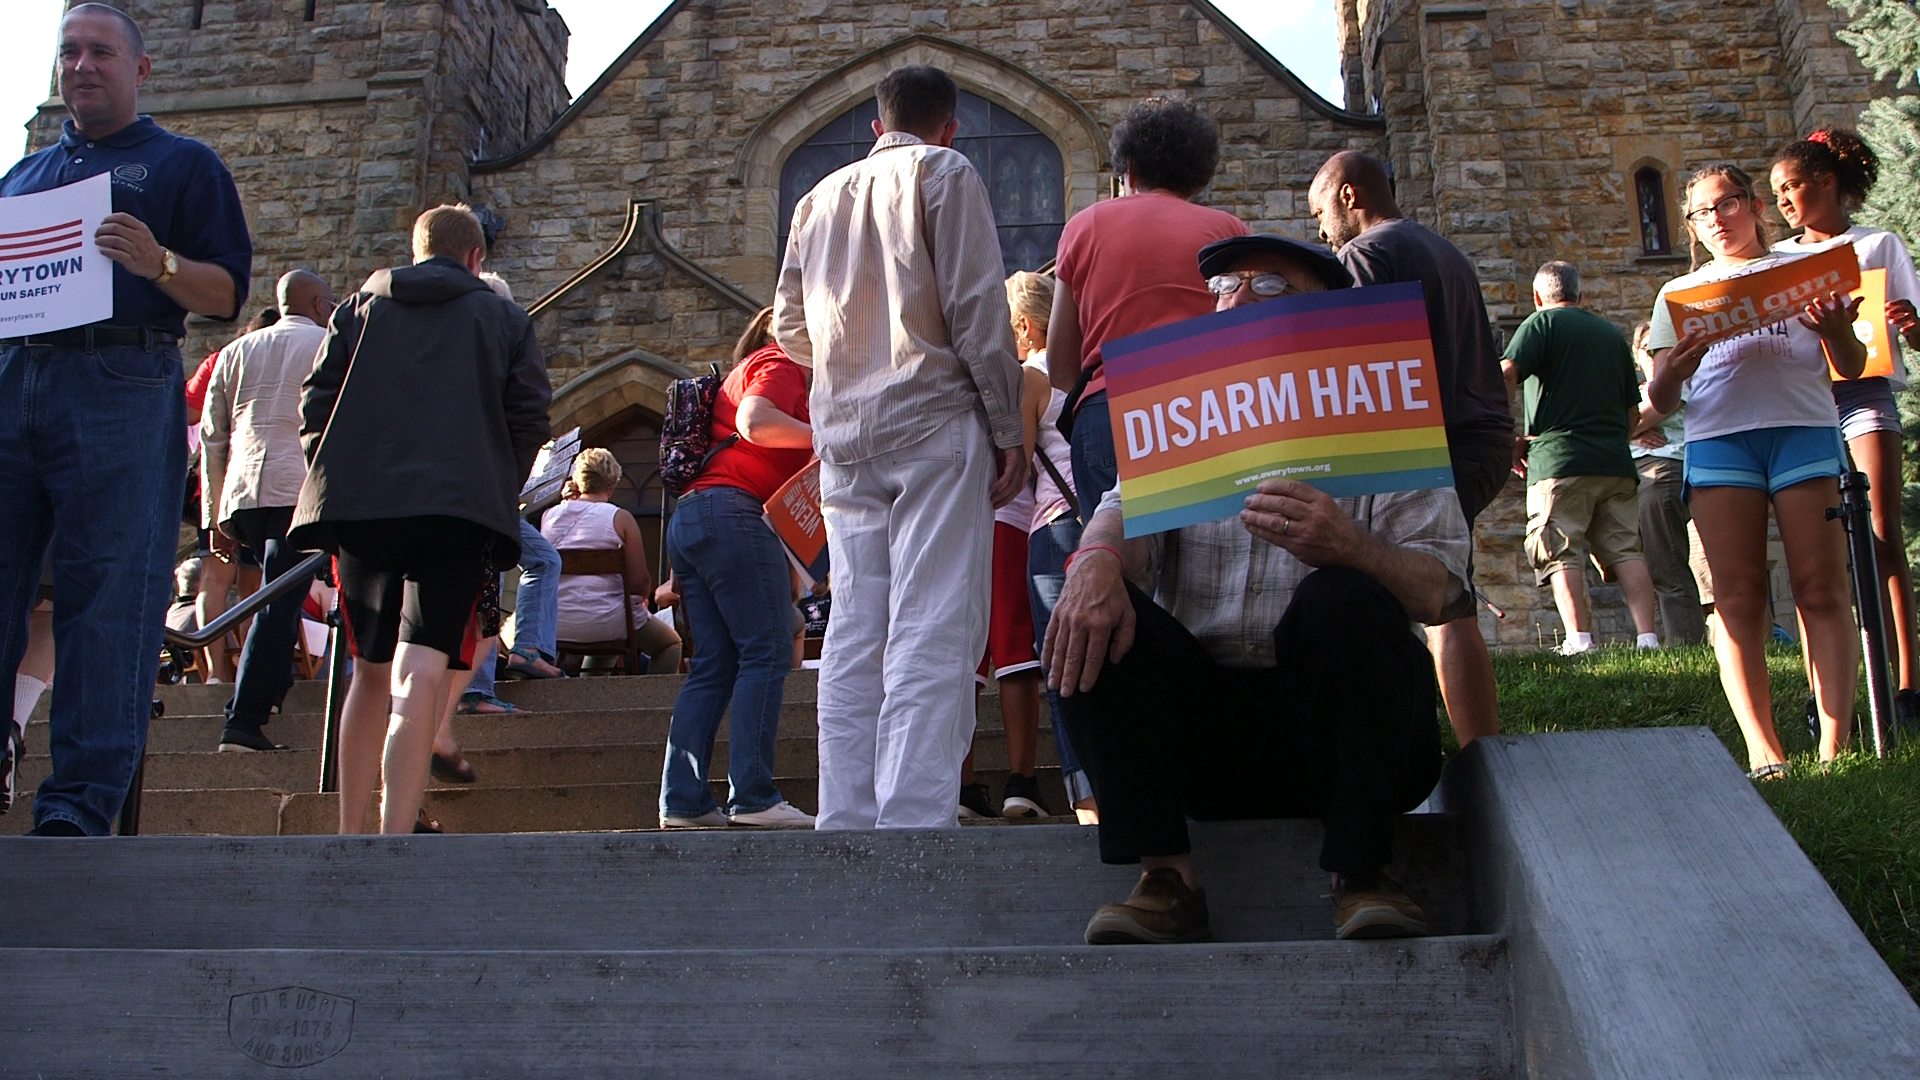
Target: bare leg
[
  {"x": 457, "y": 683},
  {"x": 1878, "y": 455},
  {"x": 1637, "y": 583},
  {"x": 216, "y": 581},
  {"x": 1817, "y": 565},
  {"x": 1733, "y": 532},
  {"x": 363, "y": 726},
  {"x": 1570, "y": 597},
  {"x": 1020, "y": 715},
  {"x": 1465, "y": 668},
  {"x": 419, "y": 682}
]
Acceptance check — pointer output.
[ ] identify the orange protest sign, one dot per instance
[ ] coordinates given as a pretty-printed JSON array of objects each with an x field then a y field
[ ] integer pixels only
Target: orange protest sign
[
  {"x": 794, "y": 516},
  {"x": 1871, "y": 327},
  {"x": 1727, "y": 308}
]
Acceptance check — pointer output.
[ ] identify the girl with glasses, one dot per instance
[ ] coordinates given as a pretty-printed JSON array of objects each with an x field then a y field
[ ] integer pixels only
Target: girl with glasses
[
  {"x": 1817, "y": 182},
  {"x": 1762, "y": 428}
]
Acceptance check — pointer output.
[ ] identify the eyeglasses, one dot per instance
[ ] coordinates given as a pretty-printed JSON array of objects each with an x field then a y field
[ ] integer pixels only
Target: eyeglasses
[
  {"x": 1261, "y": 282},
  {"x": 1724, "y": 208}
]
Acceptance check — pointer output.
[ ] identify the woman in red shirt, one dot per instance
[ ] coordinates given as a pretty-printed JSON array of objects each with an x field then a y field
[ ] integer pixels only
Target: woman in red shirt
[{"x": 734, "y": 587}]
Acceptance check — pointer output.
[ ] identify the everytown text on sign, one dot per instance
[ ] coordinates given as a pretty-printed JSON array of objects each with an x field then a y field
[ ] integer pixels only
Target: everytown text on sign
[
  {"x": 1336, "y": 389},
  {"x": 1727, "y": 308},
  {"x": 51, "y": 275}
]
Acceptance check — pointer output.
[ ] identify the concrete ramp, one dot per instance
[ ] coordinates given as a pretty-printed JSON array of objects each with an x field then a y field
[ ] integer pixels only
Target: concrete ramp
[{"x": 1662, "y": 921}]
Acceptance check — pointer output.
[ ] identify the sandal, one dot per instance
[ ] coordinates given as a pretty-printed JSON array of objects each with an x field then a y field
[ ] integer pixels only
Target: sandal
[
  {"x": 425, "y": 824},
  {"x": 453, "y": 768},
  {"x": 525, "y": 663},
  {"x": 479, "y": 703},
  {"x": 1768, "y": 772}
]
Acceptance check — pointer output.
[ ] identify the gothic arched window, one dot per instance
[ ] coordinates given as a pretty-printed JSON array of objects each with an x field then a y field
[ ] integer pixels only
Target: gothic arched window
[
  {"x": 1650, "y": 192},
  {"x": 1020, "y": 166}
]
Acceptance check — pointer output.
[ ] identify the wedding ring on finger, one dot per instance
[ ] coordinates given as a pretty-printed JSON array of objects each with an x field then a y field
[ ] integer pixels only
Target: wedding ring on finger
[{"x": 1285, "y": 524}]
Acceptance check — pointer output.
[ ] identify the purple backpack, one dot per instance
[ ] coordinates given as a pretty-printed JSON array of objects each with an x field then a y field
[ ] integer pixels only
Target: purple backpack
[{"x": 686, "y": 437}]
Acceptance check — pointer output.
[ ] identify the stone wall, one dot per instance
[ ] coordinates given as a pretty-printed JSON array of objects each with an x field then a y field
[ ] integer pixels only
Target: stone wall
[
  {"x": 705, "y": 109},
  {"x": 341, "y": 130}
]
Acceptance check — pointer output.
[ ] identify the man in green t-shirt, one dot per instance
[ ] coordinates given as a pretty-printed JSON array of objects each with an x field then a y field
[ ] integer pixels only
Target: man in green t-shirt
[{"x": 1581, "y": 401}]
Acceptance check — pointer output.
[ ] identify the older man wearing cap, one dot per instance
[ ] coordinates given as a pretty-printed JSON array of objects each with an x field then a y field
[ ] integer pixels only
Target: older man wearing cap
[{"x": 1275, "y": 672}]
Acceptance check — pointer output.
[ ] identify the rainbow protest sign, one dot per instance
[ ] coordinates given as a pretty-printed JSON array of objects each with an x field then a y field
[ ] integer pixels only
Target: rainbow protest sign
[{"x": 1337, "y": 389}]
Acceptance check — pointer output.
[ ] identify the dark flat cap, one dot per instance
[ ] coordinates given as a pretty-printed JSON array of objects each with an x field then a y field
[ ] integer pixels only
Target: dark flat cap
[{"x": 1219, "y": 256}]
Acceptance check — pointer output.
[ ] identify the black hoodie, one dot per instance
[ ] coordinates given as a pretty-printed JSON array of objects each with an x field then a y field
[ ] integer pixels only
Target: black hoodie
[{"x": 429, "y": 398}]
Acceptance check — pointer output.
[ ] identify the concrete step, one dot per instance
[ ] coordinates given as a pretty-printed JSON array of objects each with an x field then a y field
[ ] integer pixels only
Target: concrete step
[
  {"x": 568, "y": 806},
  {"x": 1033, "y": 885},
  {"x": 600, "y": 692},
  {"x": 1430, "y": 1009}
]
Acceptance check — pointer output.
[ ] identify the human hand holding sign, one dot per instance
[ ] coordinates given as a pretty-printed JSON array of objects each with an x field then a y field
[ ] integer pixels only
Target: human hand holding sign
[
  {"x": 1304, "y": 521},
  {"x": 201, "y": 287},
  {"x": 126, "y": 240},
  {"x": 1832, "y": 316},
  {"x": 1904, "y": 320}
]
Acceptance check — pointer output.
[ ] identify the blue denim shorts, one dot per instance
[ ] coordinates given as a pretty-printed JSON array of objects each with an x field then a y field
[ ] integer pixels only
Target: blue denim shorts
[{"x": 1766, "y": 459}]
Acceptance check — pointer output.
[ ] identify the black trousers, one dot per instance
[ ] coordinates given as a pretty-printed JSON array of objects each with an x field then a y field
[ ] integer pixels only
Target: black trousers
[
  {"x": 1345, "y": 728},
  {"x": 266, "y": 660}
]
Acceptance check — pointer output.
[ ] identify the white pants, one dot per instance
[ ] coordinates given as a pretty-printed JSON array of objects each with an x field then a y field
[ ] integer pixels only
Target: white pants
[{"x": 911, "y": 536}]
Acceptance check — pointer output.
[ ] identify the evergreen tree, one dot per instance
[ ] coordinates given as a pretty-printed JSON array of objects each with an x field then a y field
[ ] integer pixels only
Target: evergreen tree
[{"x": 1886, "y": 35}]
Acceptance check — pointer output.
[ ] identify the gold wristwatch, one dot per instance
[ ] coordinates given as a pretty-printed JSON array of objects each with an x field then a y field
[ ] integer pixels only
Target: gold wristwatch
[{"x": 169, "y": 266}]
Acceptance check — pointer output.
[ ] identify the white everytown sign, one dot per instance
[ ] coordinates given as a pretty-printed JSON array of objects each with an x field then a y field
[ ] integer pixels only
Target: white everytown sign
[{"x": 51, "y": 275}]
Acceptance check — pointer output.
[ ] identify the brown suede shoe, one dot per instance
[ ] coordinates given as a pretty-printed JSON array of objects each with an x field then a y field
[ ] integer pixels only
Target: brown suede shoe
[
  {"x": 1161, "y": 911},
  {"x": 1375, "y": 908}
]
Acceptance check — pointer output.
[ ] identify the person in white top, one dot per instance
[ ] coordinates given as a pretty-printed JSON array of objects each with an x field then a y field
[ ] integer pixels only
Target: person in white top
[
  {"x": 595, "y": 607},
  {"x": 1054, "y": 531},
  {"x": 1817, "y": 182},
  {"x": 1761, "y": 426},
  {"x": 251, "y": 469},
  {"x": 891, "y": 292}
]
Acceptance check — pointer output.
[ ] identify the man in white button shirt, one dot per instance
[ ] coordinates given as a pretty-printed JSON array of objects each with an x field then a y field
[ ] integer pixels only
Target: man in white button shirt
[
  {"x": 251, "y": 468},
  {"x": 892, "y": 293}
]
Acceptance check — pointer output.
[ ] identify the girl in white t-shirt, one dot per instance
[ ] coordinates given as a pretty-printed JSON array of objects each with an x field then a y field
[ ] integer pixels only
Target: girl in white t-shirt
[
  {"x": 1817, "y": 182},
  {"x": 1761, "y": 426}
]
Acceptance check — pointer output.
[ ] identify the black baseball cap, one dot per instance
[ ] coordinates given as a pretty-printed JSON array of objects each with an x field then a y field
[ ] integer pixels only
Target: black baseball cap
[{"x": 1219, "y": 256}]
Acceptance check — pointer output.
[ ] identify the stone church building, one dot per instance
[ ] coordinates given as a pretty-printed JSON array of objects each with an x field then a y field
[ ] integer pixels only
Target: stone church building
[{"x": 642, "y": 222}]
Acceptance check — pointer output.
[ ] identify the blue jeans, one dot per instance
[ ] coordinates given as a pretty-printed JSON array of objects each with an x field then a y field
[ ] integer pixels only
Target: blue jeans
[
  {"x": 93, "y": 450},
  {"x": 737, "y": 593},
  {"x": 1095, "y": 469},
  {"x": 536, "y": 610},
  {"x": 1047, "y": 551},
  {"x": 266, "y": 665}
]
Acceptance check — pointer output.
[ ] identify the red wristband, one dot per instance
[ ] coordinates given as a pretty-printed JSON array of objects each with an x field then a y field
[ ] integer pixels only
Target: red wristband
[{"x": 1095, "y": 547}]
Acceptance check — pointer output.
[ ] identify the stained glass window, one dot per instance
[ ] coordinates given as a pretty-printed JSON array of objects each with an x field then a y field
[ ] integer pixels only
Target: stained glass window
[
  {"x": 1650, "y": 190},
  {"x": 1020, "y": 166}
]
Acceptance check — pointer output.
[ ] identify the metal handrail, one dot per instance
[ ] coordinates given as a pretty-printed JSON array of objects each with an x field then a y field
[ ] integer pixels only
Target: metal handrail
[{"x": 303, "y": 571}]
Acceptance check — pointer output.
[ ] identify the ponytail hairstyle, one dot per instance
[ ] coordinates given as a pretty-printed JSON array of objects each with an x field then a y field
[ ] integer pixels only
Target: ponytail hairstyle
[
  {"x": 1732, "y": 174},
  {"x": 758, "y": 335},
  {"x": 1838, "y": 153}
]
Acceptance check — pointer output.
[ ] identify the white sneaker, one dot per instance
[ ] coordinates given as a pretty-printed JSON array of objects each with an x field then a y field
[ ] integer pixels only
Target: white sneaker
[
  {"x": 712, "y": 819},
  {"x": 779, "y": 815}
]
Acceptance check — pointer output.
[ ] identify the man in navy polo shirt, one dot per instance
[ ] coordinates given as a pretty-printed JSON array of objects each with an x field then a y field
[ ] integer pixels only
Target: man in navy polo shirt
[{"x": 93, "y": 420}]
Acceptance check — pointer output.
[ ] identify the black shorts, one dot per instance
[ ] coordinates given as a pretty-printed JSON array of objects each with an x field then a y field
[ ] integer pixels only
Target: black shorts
[
  {"x": 410, "y": 579},
  {"x": 1480, "y": 470},
  {"x": 242, "y": 555}
]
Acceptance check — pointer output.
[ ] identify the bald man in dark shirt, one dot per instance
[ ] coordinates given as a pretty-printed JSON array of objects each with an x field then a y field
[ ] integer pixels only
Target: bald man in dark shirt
[{"x": 1353, "y": 200}]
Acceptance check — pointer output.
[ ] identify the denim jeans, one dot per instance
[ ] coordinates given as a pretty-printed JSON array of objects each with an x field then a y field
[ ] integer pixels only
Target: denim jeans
[
  {"x": 1047, "y": 551},
  {"x": 1095, "y": 468},
  {"x": 536, "y": 610},
  {"x": 93, "y": 451},
  {"x": 737, "y": 594},
  {"x": 266, "y": 660}
]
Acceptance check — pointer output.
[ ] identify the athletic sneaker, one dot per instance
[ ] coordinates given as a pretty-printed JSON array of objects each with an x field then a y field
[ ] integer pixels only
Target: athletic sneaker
[
  {"x": 1375, "y": 908},
  {"x": 712, "y": 819},
  {"x": 1023, "y": 798},
  {"x": 11, "y": 751},
  {"x": 975, "y": 801},
  {"x": 781, "y": 815},
  {"x": 247, "y": 741},
  {"x": 1161, "y": 911}
]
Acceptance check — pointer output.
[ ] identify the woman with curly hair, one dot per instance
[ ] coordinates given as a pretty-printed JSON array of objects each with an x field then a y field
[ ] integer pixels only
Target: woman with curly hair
[
  {"x": 1126, "y": 265},
  {"x": 1818, "y": 182},
  {"x": 1762, "y": 428}
]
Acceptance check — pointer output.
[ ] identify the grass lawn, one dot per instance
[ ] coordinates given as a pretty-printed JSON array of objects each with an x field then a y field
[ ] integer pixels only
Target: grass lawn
[{"x": 1859, "y": 821}]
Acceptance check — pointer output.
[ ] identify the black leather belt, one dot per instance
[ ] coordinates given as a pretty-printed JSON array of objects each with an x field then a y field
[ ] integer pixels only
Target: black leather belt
[{"x": 94, "y": 337}]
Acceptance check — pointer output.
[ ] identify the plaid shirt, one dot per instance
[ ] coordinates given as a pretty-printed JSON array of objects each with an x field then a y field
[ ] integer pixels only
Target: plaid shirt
[{"x": 1229, "y": 589}]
